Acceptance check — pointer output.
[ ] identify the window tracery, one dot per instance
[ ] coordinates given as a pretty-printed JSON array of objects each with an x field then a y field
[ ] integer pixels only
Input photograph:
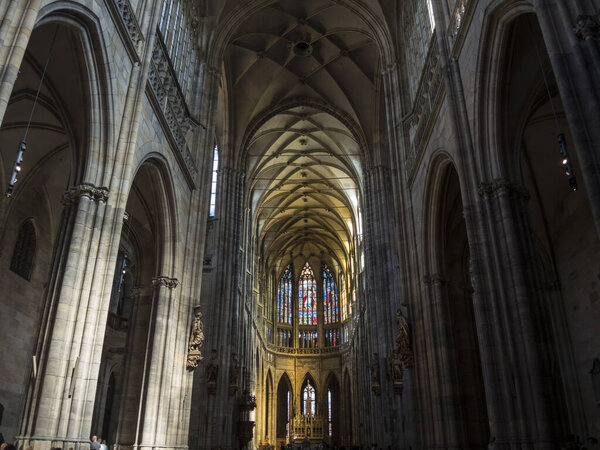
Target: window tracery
[
  {"x": 309, "y": 404},
  {"x": 307, "y": 297},
  {"x": 330, "y": 298},
  {"x": 284, "y": 296}
]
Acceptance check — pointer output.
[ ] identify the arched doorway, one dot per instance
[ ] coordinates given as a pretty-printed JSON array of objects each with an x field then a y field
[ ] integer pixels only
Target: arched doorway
[
  {"x": 459, "y": 393},
  {"x": 34, "y": 222},
  {"x": 268, "y": 400},
  {"x": 284, "y": 407},
  {"x": 456, "y": 263},
  {"x": 332, "y": 409},
  {"x": 559, "y": 243}
]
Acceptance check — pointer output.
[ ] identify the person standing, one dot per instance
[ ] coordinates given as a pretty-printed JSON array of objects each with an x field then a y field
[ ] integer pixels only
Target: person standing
[
  {"x": 103, "y": 444},
  {"x": 95, "y": 445}
]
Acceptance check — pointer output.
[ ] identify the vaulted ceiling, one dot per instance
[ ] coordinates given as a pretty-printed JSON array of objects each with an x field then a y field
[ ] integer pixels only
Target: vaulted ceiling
[{"x": 304, "y": 161}]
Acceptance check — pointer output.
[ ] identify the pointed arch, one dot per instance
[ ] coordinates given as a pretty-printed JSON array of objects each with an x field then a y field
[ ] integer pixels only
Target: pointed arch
[
  {"x": 308, "y": 396},
  {"x": 268, "y": 401},
  {"x": 284, "y": 296},
  {"x": 284, "y": 406},
  {"x": 332, "y": 407}
]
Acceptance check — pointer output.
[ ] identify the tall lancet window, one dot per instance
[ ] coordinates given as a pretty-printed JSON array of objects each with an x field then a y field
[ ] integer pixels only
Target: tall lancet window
[
  {"x": 307, "y": 297},
  {"x": 213, "y": 186},
  {"x": 284, "y": 296},
  {"x": 330, "y": 297},
  {"x": 309, "y": 404}
]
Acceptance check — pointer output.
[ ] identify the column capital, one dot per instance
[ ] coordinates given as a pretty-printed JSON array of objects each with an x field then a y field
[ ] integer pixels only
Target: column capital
[
  {"x": 88, "y": 190},
  {"x": 165, "y": 281}
]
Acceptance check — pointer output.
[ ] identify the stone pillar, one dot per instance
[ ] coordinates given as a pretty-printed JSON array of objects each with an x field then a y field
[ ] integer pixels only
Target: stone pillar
[
  {"x": 573, "y": 43},
  {"x": 16, "y": 25},
  {"x": 516, "y": 398},
  {"x": 59, "y": 404},
  {"x": 223, "y": 309},
  {"x": 382, "y": 290},
  {"x": 158, "y": 365},
  {"x": 444, "y": 425}
]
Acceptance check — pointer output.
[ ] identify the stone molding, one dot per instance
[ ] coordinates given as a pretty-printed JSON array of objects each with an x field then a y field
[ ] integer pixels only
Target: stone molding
[
  {"x": 457, "y": 17},
  {"x": 88, "y": 190},
  {"x": 419, "y": 123},
  {"x": 130, "y": 22},
  {"x": 164, "y": 281},
  {"x": 127, "y": 25},
  {"x": 587, "y": 26},
  {"x": 306, "y": 351},
  {"x": 171, "y": 106},
  {"x": 502, "y": 186}
]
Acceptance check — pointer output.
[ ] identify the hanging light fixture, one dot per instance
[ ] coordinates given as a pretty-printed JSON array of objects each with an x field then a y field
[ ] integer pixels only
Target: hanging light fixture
[
  {"x": 562, "y": 141},
  {"x": 23, "y": 144}
]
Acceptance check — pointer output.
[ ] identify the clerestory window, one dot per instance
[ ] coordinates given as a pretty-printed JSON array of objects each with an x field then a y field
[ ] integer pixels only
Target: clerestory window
[{"x": 213, "y": 185}]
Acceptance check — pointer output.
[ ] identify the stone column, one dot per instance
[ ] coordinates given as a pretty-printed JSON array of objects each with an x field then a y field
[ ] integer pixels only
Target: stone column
[
  {"x": 573, "y": 42},
  {"x": 158, "y": 365},
  {"x": 444, "y": 417},
  {"x": 223, "y": 309},
  {"x": 59, "y": 404},
  {"x": 382, "y": 289},
  {"x": 16, "y": 25},
  {"x": 518, "y": 408}
]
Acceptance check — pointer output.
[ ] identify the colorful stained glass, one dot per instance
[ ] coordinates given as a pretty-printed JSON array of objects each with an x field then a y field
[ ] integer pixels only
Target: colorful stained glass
[
  {"x": 332, "y": 337},
  {"x": 307, "y": 297},
  {"x": 330, "y": 297},
  {"x": 284, "y": 296},
  {"x": 308, "y": 339}
]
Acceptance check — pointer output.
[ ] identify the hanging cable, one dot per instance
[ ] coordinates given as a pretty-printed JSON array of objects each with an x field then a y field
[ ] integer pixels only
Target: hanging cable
[
  {"x": 562, "y": 141},
  {"x": 23, "y": 144}
]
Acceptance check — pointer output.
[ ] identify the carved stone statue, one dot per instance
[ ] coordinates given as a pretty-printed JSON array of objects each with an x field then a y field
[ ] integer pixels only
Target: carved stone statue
[
  {"x": 396, "y": 371},
  {"x": 196, "y": 340},
  {"x": 403, "y": 341}
]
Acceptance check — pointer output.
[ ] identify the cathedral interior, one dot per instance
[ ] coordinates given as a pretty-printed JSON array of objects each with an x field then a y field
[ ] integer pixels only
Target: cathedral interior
[{"x": 257, "y": 224}]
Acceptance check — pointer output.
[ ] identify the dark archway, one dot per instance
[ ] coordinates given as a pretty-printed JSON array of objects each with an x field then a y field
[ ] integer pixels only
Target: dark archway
[
  {"x": 332, "y": 407},
  {"x": 559, "y": 242},
  {"x": 348, "y": 426},
  {"x": 268, "y": 399},
  {"x": 284, "y": 406},
  {"x": 456, "y": 267}
]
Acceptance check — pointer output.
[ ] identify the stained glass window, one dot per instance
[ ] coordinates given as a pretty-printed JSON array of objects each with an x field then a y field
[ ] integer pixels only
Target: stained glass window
[
  {"x": 284, "y": 296},
  {"x": 330, "y": 297},
  {"x": 307, "y": 297},
  {"x": 332, "y": 337},
  {"x": 329, "y": 414},
  {"x": 308, "y": 400},
  {"x": 307, "y": 339},
  {"x": 213, "y": 185},
  {"x": 284, "y": 338}
]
